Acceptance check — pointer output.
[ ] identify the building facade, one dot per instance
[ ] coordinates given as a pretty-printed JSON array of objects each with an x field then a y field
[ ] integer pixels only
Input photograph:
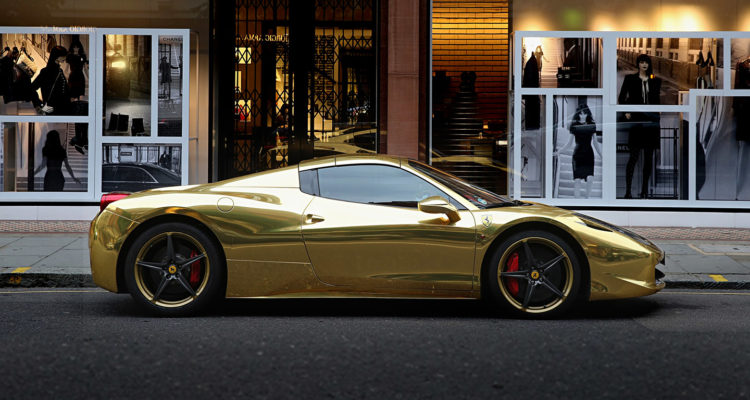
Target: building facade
[{"x": 531, "y": 99}]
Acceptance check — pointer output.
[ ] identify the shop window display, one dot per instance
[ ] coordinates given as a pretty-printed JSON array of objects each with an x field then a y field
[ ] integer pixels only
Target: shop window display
[
  {"x": 561, "y": 62},
  {"x": 135, "y": 167},
  {"x": 723, "y": 152},
  {"x": 650, "y": 159},
  {"x": 44, "y": 74},
  {"x": 692, "y": 64},
  {"x": 577, "y": 141},
  {"x": 37, "y": 157},
  {"x": 127, "y": 85},
  {"x": 170, "y": 86},
  {"x": 532, "y": 146}
]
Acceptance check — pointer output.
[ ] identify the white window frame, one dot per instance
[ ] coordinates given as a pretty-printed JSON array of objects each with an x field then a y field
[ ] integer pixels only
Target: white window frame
[
  {"x": 96, "y": 105},
  {"x": 608, "y": 92}
]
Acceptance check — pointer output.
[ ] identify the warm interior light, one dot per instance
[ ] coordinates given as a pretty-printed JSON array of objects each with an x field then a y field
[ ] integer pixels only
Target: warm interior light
[
  {"x": 685, "y": 18},
  {"x": 244, "y": 55},
  {"x": 118, "y": 64}
]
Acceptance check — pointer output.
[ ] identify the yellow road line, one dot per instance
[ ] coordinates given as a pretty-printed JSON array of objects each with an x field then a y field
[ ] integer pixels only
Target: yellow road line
[
  {"x": 718, "y": 278},
  {"x": 20, "y": 270}
]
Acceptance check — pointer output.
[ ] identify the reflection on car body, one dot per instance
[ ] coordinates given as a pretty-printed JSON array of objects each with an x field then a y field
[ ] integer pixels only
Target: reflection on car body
[{"x": 362, "y": 226}]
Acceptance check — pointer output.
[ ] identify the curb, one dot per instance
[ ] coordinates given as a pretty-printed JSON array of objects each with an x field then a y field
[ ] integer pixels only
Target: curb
[
  {"x": 708, "y": 285},
  {"x": 85, "y": 280},
  {"x": 46, "y": 280}
]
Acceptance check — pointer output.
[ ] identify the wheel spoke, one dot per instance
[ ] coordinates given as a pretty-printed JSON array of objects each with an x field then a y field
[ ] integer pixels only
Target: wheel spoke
[
  {"x": 530, "y": 262},
  {"x": 515, "y": 274},
  {"x": 162, "y": 285},
  {"x": 192, "y": 260},
  {"x": 170, "y": 248},
  {"x": 151, "y": 265},
  {"x": 551, "y": 287},
  {"x": 185, "y": 284},
  {"x": 551, "y": 263},
  {"x": 529, "y": 291}
]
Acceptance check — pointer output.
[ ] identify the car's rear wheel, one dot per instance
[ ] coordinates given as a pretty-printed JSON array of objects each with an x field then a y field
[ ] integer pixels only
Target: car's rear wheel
[
  {"x": 534, "y": 273},
  {"x": 174, "y": 269}
]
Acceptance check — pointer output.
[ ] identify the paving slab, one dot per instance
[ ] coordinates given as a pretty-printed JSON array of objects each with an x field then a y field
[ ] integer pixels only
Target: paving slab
[
  {"x": 64, "y": 259},
  {"x": 727, "y": 249},
  {"x": 19, "y": 249},
  {"x": 82, "y": 243},
  {"x": 13, "y": 262},
  {"x": 59, "y": 240},
  {"x": 5, "y": 240},
  {"x": 676, "y": 248},
  {"x": 707, "y": 264}
]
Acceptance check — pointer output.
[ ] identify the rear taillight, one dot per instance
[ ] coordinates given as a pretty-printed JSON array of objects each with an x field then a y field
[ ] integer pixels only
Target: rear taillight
[{"x": 108, "y": 198}]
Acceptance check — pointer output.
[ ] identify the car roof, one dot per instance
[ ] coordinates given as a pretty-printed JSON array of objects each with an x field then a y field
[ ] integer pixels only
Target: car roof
[{"x": 343, "y": 159}]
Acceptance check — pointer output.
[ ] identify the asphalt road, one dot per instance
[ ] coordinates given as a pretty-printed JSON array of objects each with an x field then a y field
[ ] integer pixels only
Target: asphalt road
[{"x": 89, "y": 343}]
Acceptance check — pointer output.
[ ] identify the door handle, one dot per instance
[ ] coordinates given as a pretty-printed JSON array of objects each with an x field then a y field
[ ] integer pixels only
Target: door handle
[{"x": 313, "y": 219}]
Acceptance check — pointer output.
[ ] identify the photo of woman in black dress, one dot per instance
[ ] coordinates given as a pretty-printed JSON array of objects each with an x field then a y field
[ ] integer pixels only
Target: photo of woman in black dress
[
  {"x": 582, "y": 130},
  {"x": 53, "y": 157}
]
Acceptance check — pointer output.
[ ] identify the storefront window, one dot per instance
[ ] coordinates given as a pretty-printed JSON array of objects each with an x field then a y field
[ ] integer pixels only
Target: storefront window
[
  {"x": 695, "y": 63},
  {"x": 533, "y": 146},
  {"x": 55, "y": 81},
  {"x": 127, "y": 85},
  {"x": 663, "y": 126},
  {"x": 650, "y": 155},
  {"x": 37, "y": 157},
  {"x": 171, "y": 73},
  {"x": 577, "y": 156},
  {"x": 561, "y": 62},
  {"x": 44, "y": 74},
  {"x": 128, "y": 167}
]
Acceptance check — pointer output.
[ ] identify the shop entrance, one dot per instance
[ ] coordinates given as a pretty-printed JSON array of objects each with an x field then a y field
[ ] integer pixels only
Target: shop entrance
[{"x": 302, "y": 82}]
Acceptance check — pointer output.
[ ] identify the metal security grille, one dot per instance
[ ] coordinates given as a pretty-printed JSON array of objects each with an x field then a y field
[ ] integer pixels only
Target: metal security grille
[{"x": 339, "y": 74}]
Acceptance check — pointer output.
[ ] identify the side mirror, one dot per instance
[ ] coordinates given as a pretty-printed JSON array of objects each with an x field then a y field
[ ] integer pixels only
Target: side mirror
[{"x": 439, "y": 205}]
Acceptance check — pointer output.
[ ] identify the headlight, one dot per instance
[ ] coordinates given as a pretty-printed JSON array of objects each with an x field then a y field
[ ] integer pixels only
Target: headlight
[{"x": 606, "y": 226}]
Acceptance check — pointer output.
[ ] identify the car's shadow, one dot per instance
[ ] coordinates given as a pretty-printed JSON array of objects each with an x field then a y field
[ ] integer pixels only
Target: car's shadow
[{"x": 397, "y": 308}]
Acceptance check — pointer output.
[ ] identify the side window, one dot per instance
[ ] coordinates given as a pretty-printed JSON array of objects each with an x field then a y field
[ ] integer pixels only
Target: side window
[
  {"x": 376, "y": 184},
  {"x": 308, "y": 182}
]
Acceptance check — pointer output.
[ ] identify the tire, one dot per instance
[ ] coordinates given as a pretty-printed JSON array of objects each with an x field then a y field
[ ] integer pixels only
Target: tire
[
  {"x": 173, "y": 285},
  {"x": 548, "y": 287}
]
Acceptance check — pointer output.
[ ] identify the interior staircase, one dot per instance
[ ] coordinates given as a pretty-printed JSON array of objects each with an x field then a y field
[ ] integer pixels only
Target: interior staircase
[{"x": 460, "y": 146}]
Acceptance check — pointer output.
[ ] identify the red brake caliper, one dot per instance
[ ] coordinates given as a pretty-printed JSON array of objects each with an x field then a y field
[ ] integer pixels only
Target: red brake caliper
[
  {"x": 195, "y": 270},
  {"x": 512, "y": 265}
]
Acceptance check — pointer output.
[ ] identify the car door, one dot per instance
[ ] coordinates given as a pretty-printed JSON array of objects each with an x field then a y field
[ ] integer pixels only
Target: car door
[{"x": 363, "y": 230}]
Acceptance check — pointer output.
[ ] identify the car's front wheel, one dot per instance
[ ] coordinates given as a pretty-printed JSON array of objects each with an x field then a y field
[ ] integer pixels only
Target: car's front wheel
[
  {"x": 174, "y": 269},
  {"x": 534, "y": 273}
]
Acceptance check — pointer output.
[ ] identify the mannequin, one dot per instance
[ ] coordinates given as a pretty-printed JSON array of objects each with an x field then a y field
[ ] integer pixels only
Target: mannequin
[
  {"x": 583, "y": 133},
  {"x": 532, "y": 102},
  {"x": 641, "y": 88}
]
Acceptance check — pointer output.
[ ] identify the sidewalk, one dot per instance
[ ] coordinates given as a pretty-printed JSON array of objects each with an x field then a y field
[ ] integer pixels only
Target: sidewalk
[{"x": 55, "y": 254}]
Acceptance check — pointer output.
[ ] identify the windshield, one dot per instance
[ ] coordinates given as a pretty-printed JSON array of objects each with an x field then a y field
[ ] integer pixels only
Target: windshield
[{"x": 482, "y": 198}]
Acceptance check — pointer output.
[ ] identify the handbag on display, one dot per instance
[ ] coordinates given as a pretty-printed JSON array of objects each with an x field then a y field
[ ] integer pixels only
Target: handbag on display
[
  {"x": 137, "y": 129},
  {"x": 122, "y": 122},
  {"x": 79, "y": 107},
  {"x": 112, "y": 126}
]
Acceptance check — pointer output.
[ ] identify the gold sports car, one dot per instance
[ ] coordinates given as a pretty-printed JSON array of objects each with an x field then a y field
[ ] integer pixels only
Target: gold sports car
[{"x": 362, "y": 226}]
